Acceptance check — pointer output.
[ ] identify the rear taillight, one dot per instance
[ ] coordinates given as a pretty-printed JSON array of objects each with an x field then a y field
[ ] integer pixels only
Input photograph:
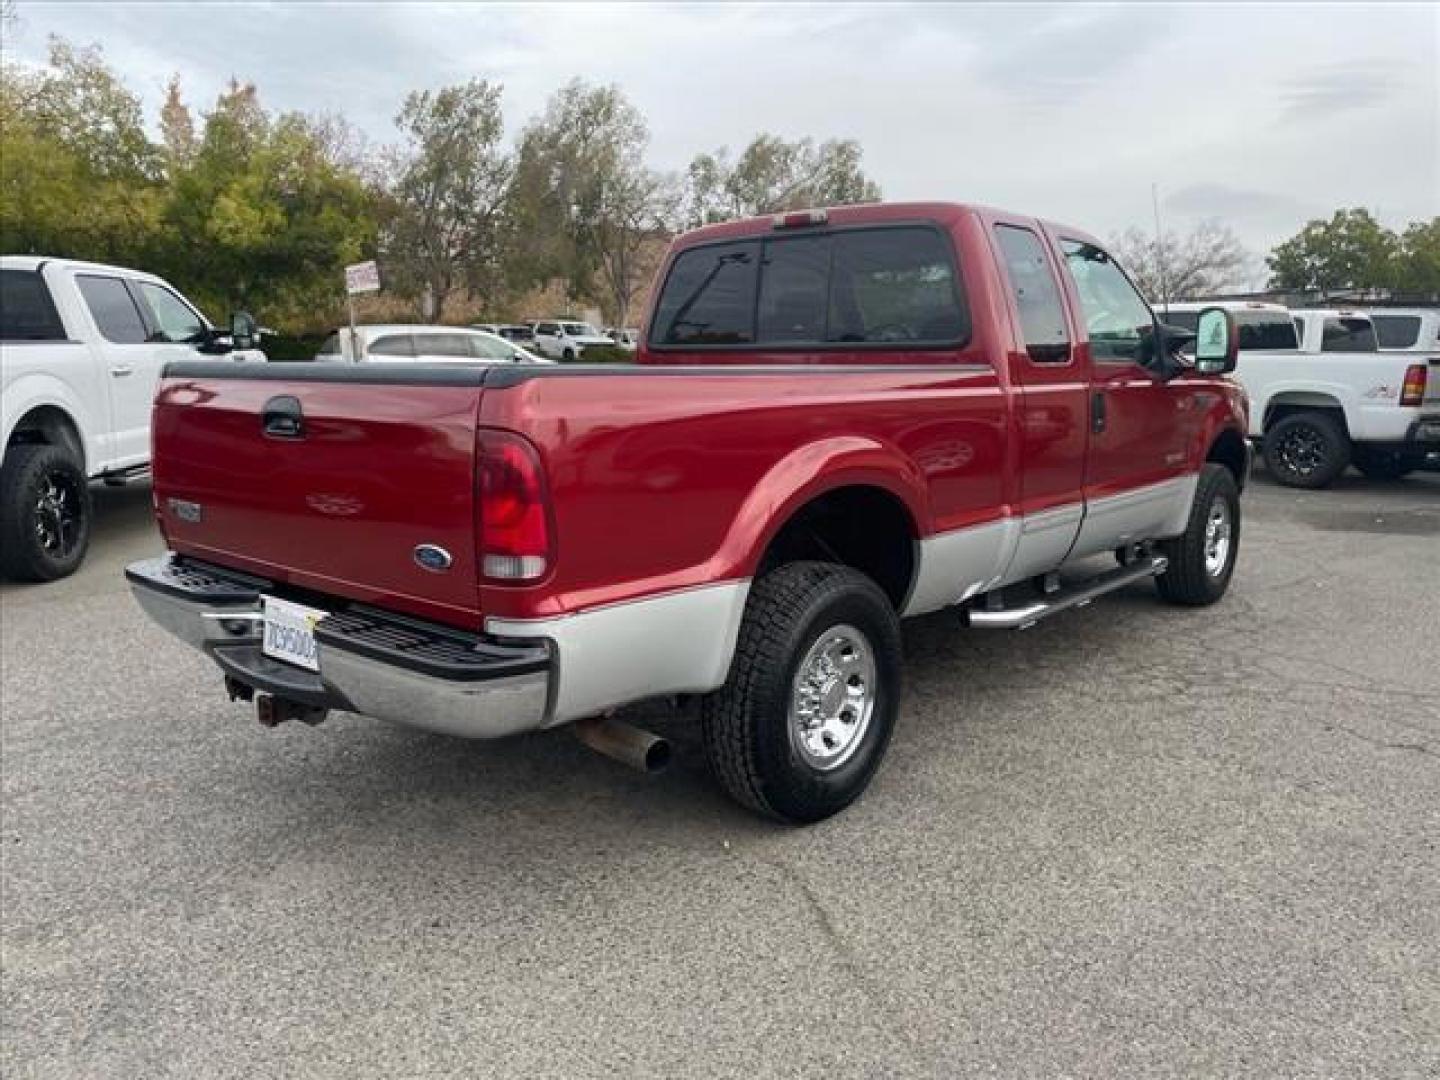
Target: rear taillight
[
  {"x": 1412, "y": 393},
  {"x": 513, "y": 519}
]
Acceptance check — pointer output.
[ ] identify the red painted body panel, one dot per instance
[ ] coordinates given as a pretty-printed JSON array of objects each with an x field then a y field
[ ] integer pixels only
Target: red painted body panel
[
  {"x": 380, "y": 470},
  {"x": 670, "y": 477}
]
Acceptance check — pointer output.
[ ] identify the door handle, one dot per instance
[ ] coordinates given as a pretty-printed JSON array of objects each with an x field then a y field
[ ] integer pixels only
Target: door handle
[
  {"x": 282, "y": 418},
  {"x": 121, "y": 370},
  {"x": 1097, "y": 412}
]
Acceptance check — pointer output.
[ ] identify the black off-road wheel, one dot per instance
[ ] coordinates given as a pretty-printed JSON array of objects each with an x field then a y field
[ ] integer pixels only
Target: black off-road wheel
[
  {"x": 1202, "y": 558},
  {"x": 1306, "y": 450},
  {"x": 44, "y": 513},
  {"x": 802, "y": 723}
]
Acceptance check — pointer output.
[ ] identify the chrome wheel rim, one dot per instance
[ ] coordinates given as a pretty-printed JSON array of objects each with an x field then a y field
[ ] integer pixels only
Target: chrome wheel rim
[
  {"x": 1302, "y": 450},
  {"x": 833, "y": 698},
  {"x": 57, "y": 516},
  {"x": 1217, "y": 538}
]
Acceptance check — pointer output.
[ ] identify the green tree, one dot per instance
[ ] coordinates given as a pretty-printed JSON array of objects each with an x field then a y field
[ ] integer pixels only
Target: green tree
[
  {"x": 585, "y": 199},
  {"x": 78, "y": 175},
  {"x": 177, "y": 128},
  {"x": 446, "y": 224},
  {"x": 1350, "y": 251},
  {"x": 1417, "y": 263},
  {"x": 263, "y": 216},
  {"x": 773, "y": 174}
]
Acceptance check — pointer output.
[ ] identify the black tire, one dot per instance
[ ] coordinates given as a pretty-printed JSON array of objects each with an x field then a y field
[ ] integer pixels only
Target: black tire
[
  {"x": 1306, "y": 450},
  {"x": 568, "y": 355},
  {"x": 753, "y": 748},
  {"x": 1192, "y": 578},
  {"x": 44, "y": 513},
  {"x": 1383, "y": 464}
]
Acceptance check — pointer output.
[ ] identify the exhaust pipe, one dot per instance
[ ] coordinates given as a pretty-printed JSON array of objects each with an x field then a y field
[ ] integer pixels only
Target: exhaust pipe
[{"x": 626, "y": 743}]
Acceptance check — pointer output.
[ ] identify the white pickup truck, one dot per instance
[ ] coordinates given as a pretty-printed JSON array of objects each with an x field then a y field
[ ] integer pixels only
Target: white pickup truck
[
  {"x": 1324, "y": 396},
  {"x": 81, "y": 349}
]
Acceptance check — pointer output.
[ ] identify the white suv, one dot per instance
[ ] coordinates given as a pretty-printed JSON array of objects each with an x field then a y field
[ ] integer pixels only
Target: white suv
[{"x": 562, "y": 339}]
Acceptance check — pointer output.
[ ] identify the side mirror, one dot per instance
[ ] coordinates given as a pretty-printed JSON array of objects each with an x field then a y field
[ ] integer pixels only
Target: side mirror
[
  {"x": 243, "y": 330},
  {"x": 1217, "y": 342}
]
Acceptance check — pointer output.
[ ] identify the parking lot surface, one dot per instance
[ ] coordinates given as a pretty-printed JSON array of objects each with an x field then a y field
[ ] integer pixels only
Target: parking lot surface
[{"x": 1133, "y": 841}]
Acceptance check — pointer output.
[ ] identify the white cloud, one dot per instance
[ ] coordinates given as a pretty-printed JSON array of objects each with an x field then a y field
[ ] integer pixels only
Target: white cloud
[{"x": 1260, "y": 114}]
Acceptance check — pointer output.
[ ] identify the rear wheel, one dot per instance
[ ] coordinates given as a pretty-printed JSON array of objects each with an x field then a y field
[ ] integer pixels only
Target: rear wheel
[
  {"x": 1202, "y": 558},
  {"x": 1306, "y": 450},
  {"x": 44, "y": 513},
  {"x": 801, "y": 724},
  {"x": 1383, "y": 464},
  {"x": 568, "y": 355}
]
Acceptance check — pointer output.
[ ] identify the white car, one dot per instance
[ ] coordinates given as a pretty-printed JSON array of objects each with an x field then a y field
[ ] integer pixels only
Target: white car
[
  {"x": 403, "y": 341},
  {"x": 1324, "y": 396},
  {"x": 82, "y": 346},
  {"x": 564, "y": 339}
]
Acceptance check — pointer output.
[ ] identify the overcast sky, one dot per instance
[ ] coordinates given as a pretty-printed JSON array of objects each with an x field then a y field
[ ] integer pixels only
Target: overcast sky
[{"x": 1261, "y": 115}]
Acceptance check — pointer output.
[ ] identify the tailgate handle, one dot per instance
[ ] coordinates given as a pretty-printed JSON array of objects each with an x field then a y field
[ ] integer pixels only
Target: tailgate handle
[{"x": 282, "y": 418}]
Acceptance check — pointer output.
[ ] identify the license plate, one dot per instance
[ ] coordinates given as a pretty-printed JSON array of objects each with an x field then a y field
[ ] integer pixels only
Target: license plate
[{"x": 290, "y": 633}]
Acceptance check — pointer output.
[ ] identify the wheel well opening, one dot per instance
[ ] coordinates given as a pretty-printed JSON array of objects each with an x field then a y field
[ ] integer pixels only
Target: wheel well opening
[
  {"x": 1228, "y": 449},
  {"x": 1288, "y": 405},
  {"x": 866, "y": 528},
  {"x": 48, "y": 425}
]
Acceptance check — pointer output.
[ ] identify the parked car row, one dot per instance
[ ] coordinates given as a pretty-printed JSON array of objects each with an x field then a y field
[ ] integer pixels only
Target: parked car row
[
  {"x": 1325, "y": 393},
  {"x": 392, "y": 342}
]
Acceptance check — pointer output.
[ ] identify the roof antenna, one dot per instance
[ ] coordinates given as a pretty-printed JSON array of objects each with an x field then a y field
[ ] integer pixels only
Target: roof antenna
[{"x": 1160, "y": 249}]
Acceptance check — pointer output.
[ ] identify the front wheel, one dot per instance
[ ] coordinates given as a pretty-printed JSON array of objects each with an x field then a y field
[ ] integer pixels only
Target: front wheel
[
  {"x": 44, "y": 513},
  {"x": 802, "y": 722},
  {"x": 1306, "y": 450},
  {"x": 1202, "y": 558}
]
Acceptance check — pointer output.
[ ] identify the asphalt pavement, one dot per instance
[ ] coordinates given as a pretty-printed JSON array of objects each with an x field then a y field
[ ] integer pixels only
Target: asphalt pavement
[{"x": 1135, "y": 841}]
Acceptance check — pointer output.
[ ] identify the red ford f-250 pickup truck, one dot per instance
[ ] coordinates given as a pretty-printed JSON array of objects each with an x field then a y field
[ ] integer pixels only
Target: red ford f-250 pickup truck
[{"x": 837, "y": 419}]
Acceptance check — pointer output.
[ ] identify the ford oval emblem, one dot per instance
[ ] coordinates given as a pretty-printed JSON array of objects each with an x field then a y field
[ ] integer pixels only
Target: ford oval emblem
[{"x": 432, "y": 557}]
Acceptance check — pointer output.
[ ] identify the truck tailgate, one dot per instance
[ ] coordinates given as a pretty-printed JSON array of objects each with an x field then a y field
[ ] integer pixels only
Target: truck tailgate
[{"x": 377, "y": 464}]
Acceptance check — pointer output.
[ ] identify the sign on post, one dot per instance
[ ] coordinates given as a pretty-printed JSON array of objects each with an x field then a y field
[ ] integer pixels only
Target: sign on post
[{"x": 362, "y": 278}]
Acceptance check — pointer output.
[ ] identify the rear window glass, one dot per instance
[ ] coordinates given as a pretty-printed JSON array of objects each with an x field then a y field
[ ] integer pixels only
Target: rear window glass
[
  {"x": 1397, "y": 331},
  {"x": 1036, "y": 293},
  {"x": 867, "y": 286},
  {"x": 114, "y": 310},
  {"x": 26, "y": 311},
  {"x": 709, "y": 297},
  {"x": 329, "y": 347},
  {"x": 1348, "y": 335},
  {"x": 795, "y": 286}
]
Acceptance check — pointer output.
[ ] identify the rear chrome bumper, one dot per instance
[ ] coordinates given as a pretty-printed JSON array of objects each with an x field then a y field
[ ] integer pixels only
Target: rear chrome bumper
[{"x": 372, "y": 662}]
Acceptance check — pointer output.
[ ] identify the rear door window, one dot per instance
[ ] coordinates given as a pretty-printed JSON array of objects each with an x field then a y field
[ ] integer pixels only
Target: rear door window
[
  {"x": 393, "y": 345},
  {"x": 1348, "y": 335},
  {"x": 27, "y": 313},
  {"x": 709, "y": 297},
  {"x": 1036, "y": 293},
  {"x": 446, "y": 345},
  {"x": 1268, "y": 335},
  {"x": 1397, "y": 331},
  {"x": 113, "y": 308}
]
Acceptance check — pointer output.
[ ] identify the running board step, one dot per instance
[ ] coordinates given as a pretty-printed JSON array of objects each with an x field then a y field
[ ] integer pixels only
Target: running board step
[{"x": 1069, "y": 596}]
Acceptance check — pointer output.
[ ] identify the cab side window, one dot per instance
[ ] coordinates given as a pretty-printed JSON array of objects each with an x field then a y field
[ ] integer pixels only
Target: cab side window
[
  {"x": 1036, "y": 293},
  {"x": 174, "y": 319},
  {"x": 393, "y": 345},
  {"x": 1119, "y": 321}
]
